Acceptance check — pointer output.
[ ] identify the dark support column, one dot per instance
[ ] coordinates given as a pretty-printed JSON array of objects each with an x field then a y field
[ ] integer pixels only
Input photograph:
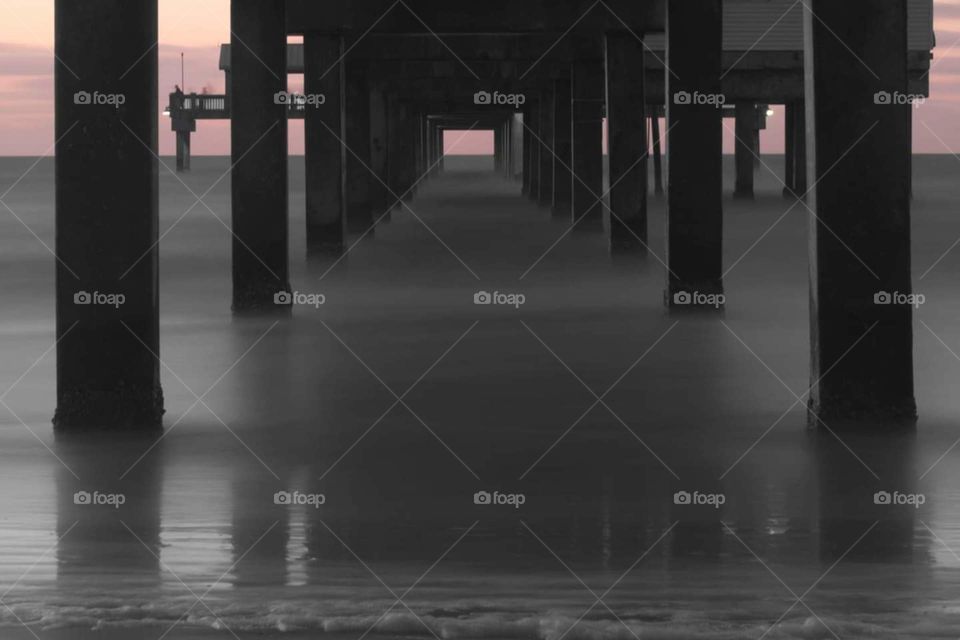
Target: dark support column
[
  {"x": 422, "y": 162},
  {"x": 535, "y": 150},
  {"x": 403, "y": 143},
  {"x": 657, "y": 156},
  {"x": 359, "y": 180},
  {"x": 516, "y": 146},
  {"x": 441, "y": 152},
  {"x": 562, "y": 146},
  {"x": 526, "y": 139},
  {"x": 183, "y": 151},
  {"x": 497, "y": 149},
  {"x": 627, "y": 140},
  {"x": 258, "y": 131},
  {"x": 422, "y": 144},
  {"x": 861, "y": 328},
  {"x": 506, "y": 128},
  {"x": 397, "y": 146},
  {"x": 755, "y": 144},
  {"x": 744, "y": 154},
  {"x": 910, "y": 174},
  {"x": 428, "y": 156},
  {"x": 427, "y": 146},
  {"x": 508, "y": 143},
  {"x": 417, "y": 138},
  {"x": 789, "y": 129},
  {"x": 587, "y": 141},
  {"x": 411, "y": 166},
  {"x": 107, "y": 202},
  {"x": 694, "y": 158},
  {"x": 379, "y": 198},
  {"x": 800, "y": 150},
  {"x": 547, "y": 151},
  {"x": 325, "y": 156},
  {"x": 438, "y": 148},
  {"x": 433, "y": 157},
  {"x": 426, "y": 149},
  {"x": 511, "y": 147}
]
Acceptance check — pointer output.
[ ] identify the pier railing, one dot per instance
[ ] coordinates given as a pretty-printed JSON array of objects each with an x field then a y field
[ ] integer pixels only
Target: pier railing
[{"x": 206, "y": 106}]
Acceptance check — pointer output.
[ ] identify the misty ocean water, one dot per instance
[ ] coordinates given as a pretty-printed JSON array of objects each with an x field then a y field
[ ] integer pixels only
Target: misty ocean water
[{"x": 398, "y": 399}]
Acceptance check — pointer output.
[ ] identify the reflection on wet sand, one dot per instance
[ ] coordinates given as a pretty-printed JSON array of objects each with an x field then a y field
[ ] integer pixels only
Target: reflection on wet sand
[
  {"x": 601, "y": 547},
  {"x": 108, "y": 512},
  {"x": 855, "y": 520}
]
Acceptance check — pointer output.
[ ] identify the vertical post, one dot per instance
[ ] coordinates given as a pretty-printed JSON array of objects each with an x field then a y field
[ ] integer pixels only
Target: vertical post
[
  {"x": 395, "y": 145},
  {"x": 428, "y": 148},
  {"x": 432, "y": 155},
  {"x": 694, "y": 156},
  {"x": 258, "y": 133},
  {"x": 535, "y": 149},
  {"x": 441, "y": 152},
  {"x": 427, "y": 144},
  {"x": 627, "y": 141},
  {"x": 587, "y": 136},
  {"x": 861, "y": 327},
  {"x": 506, "y": 130},
  {"x": 402, "y": 140},
  {"x": 183, "y": 150},
  {"x": 755, "y": 140},
  {"x": 417, "y": 138},
  {"x": 422, "y": 143},
  {"x": 411, "y": 166},
  {"x": 497, "y": 149},
  {"x": 745, "y": 132},
  {"x": 359, "y": 180},
  {"x": 563, "y": 147},
  {"x": 526, "y": 139},
  {"x": 516, "y": 153},
  {"x": 437, "y": 143},
  {"x": 107, "y": 203},
  {"x": 547, "y": 150},
  {"x": 409, "y": 162},
  {"x": 800, "y": 150},
  {"x": 657, "y": 156},
  {"x": 789, "y": 132},
  {"x": 379, "y": 198},
  {"x": 325, "y": 156}
]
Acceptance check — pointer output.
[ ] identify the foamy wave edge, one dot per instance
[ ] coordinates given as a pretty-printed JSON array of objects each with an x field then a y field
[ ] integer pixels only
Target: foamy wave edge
[{"x": 287, "y": 618}]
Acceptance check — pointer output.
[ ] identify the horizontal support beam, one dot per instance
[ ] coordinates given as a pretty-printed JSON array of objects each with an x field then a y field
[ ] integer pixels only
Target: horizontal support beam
[
  {"x": 489, "y": 17},
  {"x": 774, "y": 77}
]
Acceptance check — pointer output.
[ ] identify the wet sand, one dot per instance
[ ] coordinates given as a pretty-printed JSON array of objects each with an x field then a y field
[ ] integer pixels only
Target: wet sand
[{"x": 309, "y": 405}]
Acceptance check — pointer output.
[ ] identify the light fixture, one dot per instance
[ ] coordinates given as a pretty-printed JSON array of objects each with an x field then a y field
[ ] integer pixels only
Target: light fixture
[{"x": 769, "y": 113}]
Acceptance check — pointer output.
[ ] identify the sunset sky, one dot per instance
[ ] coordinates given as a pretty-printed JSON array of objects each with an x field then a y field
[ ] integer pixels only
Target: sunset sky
[{"x": 198, "y": 27}]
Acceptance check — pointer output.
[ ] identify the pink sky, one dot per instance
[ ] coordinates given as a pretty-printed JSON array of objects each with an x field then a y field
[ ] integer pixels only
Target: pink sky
[{"x": 198, "y": 28}]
